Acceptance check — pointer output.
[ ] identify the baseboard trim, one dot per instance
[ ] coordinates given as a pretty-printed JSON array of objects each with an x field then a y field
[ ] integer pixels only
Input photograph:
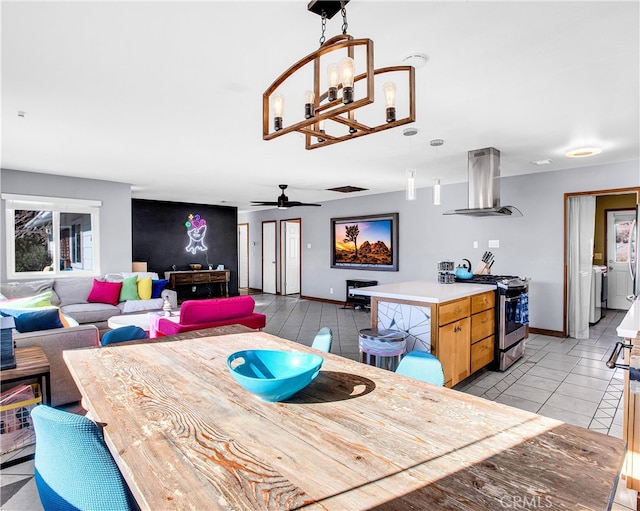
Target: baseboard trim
[
  {"x": 325, "y": 300},
  {"x": 543, "y": 331}
]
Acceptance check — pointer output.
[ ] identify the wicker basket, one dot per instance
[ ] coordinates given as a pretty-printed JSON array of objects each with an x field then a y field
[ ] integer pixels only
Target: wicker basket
[{"x": 16, "y": 428}]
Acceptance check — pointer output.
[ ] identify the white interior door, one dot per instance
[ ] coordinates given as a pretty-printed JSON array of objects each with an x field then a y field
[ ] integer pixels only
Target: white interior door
[
  {"x": 618, "y": 243},
  {"x": 290, "y": 236},
  {"x": 243, "y": 256},
  {"x": 269, "y": 257}
]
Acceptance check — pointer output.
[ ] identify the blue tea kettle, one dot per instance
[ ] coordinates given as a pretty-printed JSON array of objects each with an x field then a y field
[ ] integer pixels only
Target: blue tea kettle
[{"x": 463, "y": 271}]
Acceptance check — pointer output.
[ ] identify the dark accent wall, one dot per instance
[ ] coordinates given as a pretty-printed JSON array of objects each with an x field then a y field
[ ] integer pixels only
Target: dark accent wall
[{"x": 160, "y": 237}]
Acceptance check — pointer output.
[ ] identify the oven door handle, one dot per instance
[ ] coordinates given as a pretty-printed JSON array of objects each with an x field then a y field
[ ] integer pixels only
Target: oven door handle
[
  {"x": 512, "y": 299},
  {"x": 611, "y": 363}
]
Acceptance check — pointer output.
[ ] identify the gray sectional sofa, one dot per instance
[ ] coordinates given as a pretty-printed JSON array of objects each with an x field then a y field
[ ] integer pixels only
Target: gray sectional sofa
[{"x": 70, "y": 295}]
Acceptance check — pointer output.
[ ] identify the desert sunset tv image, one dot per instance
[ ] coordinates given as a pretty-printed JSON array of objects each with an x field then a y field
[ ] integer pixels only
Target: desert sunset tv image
[{"x": 365, "y": 242}]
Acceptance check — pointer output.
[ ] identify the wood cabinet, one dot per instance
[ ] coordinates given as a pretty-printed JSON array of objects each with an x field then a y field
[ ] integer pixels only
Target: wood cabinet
[
  {"x": 482, "y": 330},
  {"x": 453, "y": 347},
  {"x": 195, "y": 277},
  {"x": 465, "y": 336}
]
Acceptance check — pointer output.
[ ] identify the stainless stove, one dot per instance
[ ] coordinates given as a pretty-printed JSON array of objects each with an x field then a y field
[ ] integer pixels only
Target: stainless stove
[{"x": 512, "y": 316}]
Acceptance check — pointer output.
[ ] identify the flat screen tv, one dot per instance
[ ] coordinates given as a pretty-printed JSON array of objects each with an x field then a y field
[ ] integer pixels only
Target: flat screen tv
[{"x": 365, "y": 242}]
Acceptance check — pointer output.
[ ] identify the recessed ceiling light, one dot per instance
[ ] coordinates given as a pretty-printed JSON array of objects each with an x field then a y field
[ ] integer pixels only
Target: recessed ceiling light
[
  {"x": 542, "y": 162},
  {"x": 416, "y": 60},
  {"x": 583, "y": 152}
]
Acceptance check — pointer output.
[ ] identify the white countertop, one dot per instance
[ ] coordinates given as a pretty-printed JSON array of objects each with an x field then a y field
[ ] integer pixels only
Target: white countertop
[
  {"x": 424, "y": 291},
  {"x": 630, "y": 326}
]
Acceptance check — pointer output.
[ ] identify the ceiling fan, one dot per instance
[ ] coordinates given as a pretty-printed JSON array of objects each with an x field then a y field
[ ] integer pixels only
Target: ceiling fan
[{"x": 283, "y": 201}]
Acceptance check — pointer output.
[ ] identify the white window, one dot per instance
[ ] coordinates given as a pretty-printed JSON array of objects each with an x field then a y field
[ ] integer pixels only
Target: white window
[{"x": 51, "y": 236}]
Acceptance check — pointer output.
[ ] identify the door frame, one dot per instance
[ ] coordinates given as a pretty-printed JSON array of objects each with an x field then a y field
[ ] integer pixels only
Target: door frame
[
  {"x": 275, "y": 253},
  {"x": 606, "y": 234},
  {"x": 613, "y": 191},
  {"x": 247, "y": 252},
  {"x": 283, "y": 258}
]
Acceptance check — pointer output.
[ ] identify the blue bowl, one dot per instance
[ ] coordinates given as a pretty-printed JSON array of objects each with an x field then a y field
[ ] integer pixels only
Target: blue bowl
[{"x": 271, "y": 374}]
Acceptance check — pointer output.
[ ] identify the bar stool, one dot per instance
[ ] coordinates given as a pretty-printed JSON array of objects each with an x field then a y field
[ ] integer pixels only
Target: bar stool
[{"x": 382, "y": 347}]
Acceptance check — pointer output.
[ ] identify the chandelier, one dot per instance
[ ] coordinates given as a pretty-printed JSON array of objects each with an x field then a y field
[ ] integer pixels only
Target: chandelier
[{"x": 336, "y": 104}]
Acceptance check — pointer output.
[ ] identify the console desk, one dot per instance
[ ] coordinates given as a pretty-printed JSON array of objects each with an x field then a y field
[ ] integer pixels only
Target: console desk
[{"x": 195, "y": 277}]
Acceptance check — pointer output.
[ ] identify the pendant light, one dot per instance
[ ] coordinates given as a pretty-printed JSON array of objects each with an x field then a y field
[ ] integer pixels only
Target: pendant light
[
  {"x": 411, "y": 172},
  {"x": 436, "y": 191},
  {"x": 340, "y": 90},
  {"x": 436, "y": 142}
]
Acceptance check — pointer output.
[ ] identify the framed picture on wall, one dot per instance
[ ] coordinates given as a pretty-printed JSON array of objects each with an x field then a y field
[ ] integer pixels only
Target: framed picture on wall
[{"x": 365, "y": 242}]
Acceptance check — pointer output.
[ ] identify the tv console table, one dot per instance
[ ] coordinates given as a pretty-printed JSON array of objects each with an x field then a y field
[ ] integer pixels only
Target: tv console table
[{"x": 195, "y": 277}]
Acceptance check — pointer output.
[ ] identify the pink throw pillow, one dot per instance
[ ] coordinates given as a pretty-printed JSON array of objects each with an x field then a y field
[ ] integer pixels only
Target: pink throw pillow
[{"x": 105, "y": 292}]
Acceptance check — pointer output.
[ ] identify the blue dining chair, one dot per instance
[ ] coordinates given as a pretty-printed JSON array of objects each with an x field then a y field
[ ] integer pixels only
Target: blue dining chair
[
  {"x": 73, "y": 466},
  {"x": 123, "y": 333},
  {"x": 323, "y": 339},
  {"x": 422, "y": 366}
]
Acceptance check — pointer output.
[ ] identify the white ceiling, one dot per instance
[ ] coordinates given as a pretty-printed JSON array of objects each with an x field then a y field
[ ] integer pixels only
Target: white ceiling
[{"x": 167, "y": 96}]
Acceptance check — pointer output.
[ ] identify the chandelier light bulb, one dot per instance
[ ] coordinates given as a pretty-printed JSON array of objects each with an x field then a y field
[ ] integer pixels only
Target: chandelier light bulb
[
  {"x": 278, "y": 110},
  {"x": 390, "y": 99},
  {"x": 333, "y": 75},
  {"x": 309, "y": 110},
  {"x": 347, "y": 73}
]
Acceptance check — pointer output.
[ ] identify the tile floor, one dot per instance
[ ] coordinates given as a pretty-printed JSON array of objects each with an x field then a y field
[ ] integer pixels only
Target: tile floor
[{"x": 565, "y": 379}]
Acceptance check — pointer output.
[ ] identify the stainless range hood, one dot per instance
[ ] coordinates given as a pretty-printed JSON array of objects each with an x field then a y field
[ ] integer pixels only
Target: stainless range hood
[{"x": 484, "y": 186}]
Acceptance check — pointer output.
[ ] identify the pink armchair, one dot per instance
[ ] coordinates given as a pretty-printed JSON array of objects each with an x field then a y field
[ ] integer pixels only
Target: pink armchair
[{"x": 198, "y": 314}]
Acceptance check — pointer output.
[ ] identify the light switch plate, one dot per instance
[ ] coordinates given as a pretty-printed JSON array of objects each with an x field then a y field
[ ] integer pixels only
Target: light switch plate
[{"x": 494, "y": 243}]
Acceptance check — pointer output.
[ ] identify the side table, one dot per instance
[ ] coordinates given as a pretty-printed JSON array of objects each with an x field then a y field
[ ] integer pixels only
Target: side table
[
  {"x": 353, "y": 298},
  {"x": 31, "y": 362}
]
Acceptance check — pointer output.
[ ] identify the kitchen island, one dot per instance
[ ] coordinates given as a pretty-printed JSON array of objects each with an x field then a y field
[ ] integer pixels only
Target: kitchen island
[{"x": 462, "y": 315}]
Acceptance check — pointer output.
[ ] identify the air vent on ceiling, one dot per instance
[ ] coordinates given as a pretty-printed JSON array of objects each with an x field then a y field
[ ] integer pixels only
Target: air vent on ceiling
[{"x": 347, "y": 189}]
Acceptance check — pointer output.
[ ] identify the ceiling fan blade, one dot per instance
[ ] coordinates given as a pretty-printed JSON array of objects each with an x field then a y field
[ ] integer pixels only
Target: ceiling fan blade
[
  {"x": 260, "y": 203},
  {"x": 292, "y": 204}
]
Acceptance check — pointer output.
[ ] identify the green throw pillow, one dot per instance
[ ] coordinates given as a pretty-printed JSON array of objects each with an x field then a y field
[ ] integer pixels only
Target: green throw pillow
[
  {"x": 129, "y": 290},
  {"x": 39, "y": 300}
]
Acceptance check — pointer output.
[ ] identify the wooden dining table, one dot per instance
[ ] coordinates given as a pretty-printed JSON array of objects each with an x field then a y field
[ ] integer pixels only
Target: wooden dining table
[{"x": 185, "y": 435}]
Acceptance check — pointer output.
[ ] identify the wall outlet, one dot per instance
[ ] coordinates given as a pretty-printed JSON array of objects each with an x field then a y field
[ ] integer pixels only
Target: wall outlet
[
  {"x": 475, "y": 244},
  {"x": 308, "y": 245},
  {"x": 597, "y": 255},
  {"x": 330, "y": 290},
  {"x": 193, "y": 289},
  {"x": 494, "y": 243}
]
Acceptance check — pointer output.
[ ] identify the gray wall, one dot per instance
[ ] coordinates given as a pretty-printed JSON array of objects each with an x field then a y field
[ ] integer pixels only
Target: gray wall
[
  {"x": 530, "y": 246},
  {"x": 115, "y": 214}
]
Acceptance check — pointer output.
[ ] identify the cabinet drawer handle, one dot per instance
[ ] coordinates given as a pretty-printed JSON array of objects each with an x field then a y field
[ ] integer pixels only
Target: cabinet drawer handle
[
  {"x": 484, "y": 320},
  {"x": 458, "y": 310},
  {"x": 457, "y": 329}
]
